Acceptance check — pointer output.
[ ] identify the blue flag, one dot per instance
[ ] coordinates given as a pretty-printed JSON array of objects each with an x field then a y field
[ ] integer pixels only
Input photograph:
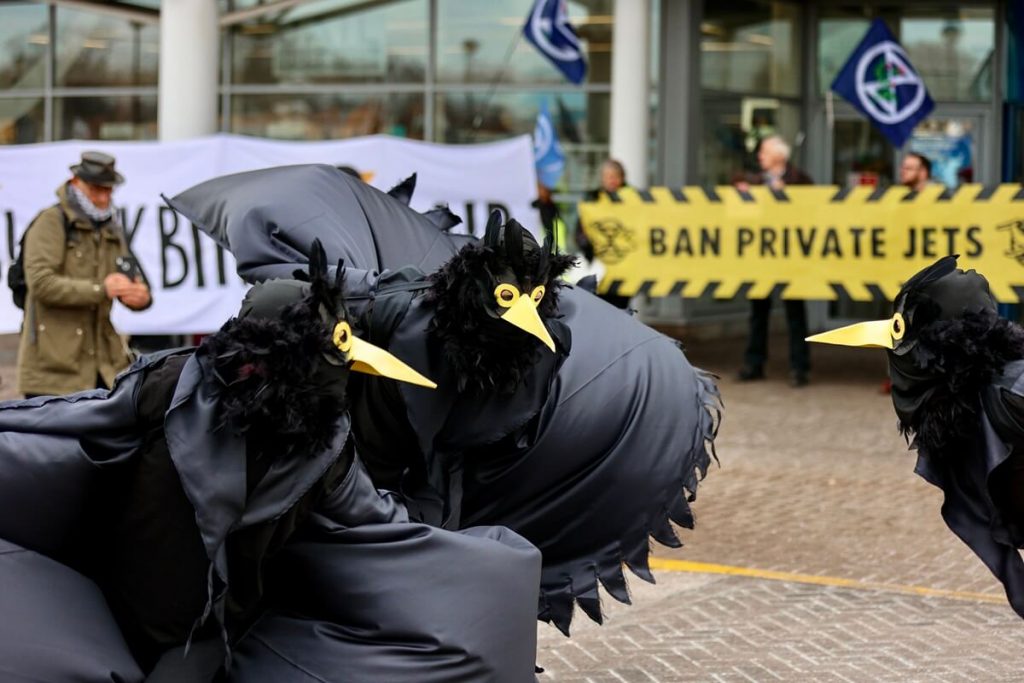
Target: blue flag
[
  {"x": 880, "y": 83},
  {"x": 549, "y": 30},
  {"x": 547, "y": 153}
]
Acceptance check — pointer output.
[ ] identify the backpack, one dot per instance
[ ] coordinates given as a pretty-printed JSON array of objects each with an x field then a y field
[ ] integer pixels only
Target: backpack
[{"x": 16, "y": 273}]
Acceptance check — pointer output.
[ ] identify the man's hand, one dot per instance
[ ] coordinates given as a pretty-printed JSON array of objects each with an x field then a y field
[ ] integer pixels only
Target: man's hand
[
  {"x": 116, "y": 285},
  {"x": 743, "y": 186},
  {"x": 136, "y": 295}
]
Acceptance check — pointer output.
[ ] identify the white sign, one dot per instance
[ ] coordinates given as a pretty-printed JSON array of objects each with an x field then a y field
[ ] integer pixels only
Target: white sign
[{"x": 195, "y": 288}]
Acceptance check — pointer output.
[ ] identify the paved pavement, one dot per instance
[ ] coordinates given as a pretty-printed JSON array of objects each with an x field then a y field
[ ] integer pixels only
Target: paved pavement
[
  {"x": 815, "y": 485},
  {"x": 814, "y": 482}
]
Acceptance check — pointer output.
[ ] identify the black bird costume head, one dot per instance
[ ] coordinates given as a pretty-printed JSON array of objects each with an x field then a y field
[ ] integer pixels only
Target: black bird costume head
[
  {"x": 945, "y": 341},
  {"x": 283, "y": 362},
  {"x": 494, "y": 303}
]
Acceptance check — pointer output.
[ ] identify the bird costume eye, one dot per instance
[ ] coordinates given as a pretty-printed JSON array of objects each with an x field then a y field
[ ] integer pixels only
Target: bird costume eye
[
  {"x": 898, "y": 327},
  {"x": 506, "y": 295},
  {"x": 538, "y": 294},
  {"x": 343, "y": 337}
]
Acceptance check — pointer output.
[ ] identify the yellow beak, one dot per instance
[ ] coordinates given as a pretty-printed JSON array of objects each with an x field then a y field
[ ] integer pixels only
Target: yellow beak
[
  {"x": 374, "y": 360},
  {"x": 523, "y": 314},
  {"x": 875, "y": 333}
]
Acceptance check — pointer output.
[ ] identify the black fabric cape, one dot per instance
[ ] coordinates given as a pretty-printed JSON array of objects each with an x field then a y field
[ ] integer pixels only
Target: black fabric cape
[
  {"x": 363, "y": 594},
  {"x": 597, "y": 452},
  {"x": 974, "y": 480}
]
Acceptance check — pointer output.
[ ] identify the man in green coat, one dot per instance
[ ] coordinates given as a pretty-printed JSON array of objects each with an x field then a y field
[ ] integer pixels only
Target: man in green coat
[{"x": 71, "y": 253}]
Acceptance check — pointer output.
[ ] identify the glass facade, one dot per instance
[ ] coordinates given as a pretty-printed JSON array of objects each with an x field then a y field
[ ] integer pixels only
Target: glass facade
[
  {"x": 454, "y": 71},
  {"x": 98, "y": 50},
  {"x": 74, "y": 73},
  {"x": 459, "y": 71},
  {"x": 24, "y": 41},
  {"x": 750, "y": 83},
  {"x": 951, "y": 46},
  {"x": 334, "y": 42}
]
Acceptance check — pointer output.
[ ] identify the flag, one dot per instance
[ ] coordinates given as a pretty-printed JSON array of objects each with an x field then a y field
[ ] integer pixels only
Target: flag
[
  {"x": 547, "y": 153},
  {"x": 880, "y": 83},
  {"x": 548, "y": 28}
]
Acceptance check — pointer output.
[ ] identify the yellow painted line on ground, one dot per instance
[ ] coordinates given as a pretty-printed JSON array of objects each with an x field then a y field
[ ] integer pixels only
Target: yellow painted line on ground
[{"x": 707, "y": 568}]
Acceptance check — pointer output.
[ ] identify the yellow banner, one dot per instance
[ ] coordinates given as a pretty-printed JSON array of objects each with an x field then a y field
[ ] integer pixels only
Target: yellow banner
[{"x": 813, "y": 242}]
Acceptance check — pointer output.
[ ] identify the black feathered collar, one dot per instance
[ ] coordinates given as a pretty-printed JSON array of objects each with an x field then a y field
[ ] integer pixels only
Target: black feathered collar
[
  {"x": 274, "y": 385},
  {"x": 487, "y": 354},
  {"x": 936, "y": 387}
]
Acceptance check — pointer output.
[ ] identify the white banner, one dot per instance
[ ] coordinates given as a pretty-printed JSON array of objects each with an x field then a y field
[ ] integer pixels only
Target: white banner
[{"x": 195, "y": 288}]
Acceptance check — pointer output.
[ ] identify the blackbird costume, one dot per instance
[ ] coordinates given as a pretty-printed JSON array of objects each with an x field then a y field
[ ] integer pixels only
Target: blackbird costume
[
  {"x": 958, "y": 389},
  {"x": 577, "y": 427},
  {"x": 208, "y": 517}
]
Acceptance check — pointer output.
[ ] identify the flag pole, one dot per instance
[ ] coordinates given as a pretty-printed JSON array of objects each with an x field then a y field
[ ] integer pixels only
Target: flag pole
[
  {"x": 830, "y": 114},
  {"x": 478, "y": 116}
]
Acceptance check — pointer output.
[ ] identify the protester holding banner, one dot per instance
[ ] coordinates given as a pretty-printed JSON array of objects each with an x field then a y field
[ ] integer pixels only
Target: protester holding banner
[
  {"x": 915, "y": 171},
  {"x": 613, "y": 179},
  {"x": 776, "y": 172},
  {"x": 76, "y": 263}
]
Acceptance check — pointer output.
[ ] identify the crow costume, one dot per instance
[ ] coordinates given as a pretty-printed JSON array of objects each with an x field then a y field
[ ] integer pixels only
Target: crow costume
[
  {"x": 957, "y": 373},
  {"x": 214, "y": 501},
  {"x": 555, "y": 414}
]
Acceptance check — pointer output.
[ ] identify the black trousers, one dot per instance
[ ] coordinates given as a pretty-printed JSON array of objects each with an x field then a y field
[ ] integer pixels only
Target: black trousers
[{"x": 796, "y": 321}]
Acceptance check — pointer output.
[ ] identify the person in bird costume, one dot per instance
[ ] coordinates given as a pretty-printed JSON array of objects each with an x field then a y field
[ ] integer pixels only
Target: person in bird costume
[
  {"x": 555, "y": 415},
  {"x": 209, "y": 518},
  {"x": 957, "y": 372}
]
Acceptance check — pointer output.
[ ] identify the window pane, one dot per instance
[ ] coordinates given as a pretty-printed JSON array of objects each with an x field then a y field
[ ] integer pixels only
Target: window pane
[
  {"x": 334, "y": 41},
  {"x": 751, "y": 47},
  {"x": 24, "y": 38},
  {"x": 581, "y": 123},
  {"x": 473, "y": 39},
  {"x": 101, "y": 50},
  {"x": 948, "y": 143},
  {"x": 326, "y": 117},
  {"x": 953, "y": 53},
  {"x": 952, "y": 48},
  {"x": 861, "y": 155},
  {"x": 837, "y": 38},
  {"x": 733, "y": 129},
  {"x": 21, "y": 121},
  {"x": 105, "y": 118}
]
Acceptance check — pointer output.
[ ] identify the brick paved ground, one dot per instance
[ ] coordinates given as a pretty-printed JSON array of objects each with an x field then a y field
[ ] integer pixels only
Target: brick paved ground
[{"x": 814, "y": 481}]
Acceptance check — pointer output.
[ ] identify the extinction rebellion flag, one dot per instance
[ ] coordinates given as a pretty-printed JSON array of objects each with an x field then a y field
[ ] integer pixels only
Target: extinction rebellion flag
[
  {"x": 880, "y": 83},
  {"x": 548, "y": 28}
]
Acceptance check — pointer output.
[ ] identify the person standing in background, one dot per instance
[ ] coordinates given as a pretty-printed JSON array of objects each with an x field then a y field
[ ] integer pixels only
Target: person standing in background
[
  {"x": 613, "y": 179},
  {"x": 77, "y": 262},
  {"x": 776, "y": 172},
  {"x": 915, "y": 171}
]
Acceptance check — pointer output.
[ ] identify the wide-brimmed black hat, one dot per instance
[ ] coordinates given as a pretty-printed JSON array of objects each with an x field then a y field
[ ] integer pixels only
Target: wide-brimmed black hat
[{"x": 97, "y": 168}]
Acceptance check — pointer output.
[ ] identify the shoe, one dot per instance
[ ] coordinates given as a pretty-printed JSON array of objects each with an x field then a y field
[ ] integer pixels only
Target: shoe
[
  {"x": 798, "y": 379},
  {"x": 748, "y": 374}
]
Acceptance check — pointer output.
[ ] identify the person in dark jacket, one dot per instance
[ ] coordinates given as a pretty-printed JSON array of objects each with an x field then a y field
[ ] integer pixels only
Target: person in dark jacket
[
  {"x": 776, "y": 172},
  {"x": 957, "y": 371}
]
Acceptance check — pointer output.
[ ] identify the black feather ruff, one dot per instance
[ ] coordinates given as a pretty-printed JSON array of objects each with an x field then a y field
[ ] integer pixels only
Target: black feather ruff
[
  {"x": 943, "y": 376},
  {"x": 275, "y": 385},
  {"x": 488, "y": 354}
]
